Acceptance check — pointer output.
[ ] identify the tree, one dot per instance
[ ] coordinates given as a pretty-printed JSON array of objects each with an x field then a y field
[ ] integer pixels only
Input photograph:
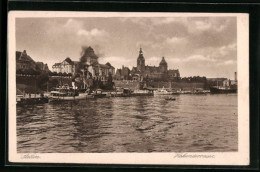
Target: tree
[
  {"x": 19, "y": 71},
  {"x": 54, "y": 83},
  {"x": 147, "y": 78},
  {"x": 54, "y": 74},
  {"x": 42, "y": 80},
  {"x": 50, "y": 73},
  {"x": 37, "y": 72},
  {"x": 110, "y": 84}
]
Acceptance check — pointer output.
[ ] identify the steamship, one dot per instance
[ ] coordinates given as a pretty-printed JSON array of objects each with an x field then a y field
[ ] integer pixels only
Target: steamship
[
  {"x": 223, "y": 90},
  {"x": 228, "y": 87}
]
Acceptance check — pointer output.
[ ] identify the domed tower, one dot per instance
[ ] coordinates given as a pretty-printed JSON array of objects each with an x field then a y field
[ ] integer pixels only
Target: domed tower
[
  {"x": 141, "y": 61},
  {"x": 163, "y": 65}
]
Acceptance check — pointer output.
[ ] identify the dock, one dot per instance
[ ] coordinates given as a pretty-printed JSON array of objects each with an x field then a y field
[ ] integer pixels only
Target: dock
[{"x": 32, "y": 100}]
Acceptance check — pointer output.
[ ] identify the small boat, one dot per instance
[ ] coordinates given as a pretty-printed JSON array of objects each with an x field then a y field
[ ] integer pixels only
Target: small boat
[
  {"x": 99, "y": 94},
  {"x": 170, "y": 98},
  {"x": 162, "y": 91}
]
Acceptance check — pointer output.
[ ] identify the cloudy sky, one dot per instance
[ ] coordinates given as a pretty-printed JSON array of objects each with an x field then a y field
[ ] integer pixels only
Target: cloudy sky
[{"x": 204, "y": 46}]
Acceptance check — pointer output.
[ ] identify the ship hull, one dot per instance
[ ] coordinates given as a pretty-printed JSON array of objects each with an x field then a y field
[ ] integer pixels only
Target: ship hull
[
  {"x": 69, "y": 98},
  {"x": 215, "y": 90}
]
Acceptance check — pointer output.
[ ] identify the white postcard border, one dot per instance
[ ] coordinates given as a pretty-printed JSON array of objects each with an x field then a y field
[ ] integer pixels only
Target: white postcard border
[{"x": 189, "y": 158}]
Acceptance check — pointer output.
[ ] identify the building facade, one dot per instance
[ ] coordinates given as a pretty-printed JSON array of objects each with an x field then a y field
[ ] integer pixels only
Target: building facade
[
  {"x": 101, "y": 71},
  {"x": 123, "y": 74},
  {"x": 89, "y": 63},
  {"x": 24, "y": 63},
  {"x": 42, "y": 66},
  {"x": 95, "y": 70},
  {"x": 66, "y": 66},
  {"x": 161, "y": 72}
]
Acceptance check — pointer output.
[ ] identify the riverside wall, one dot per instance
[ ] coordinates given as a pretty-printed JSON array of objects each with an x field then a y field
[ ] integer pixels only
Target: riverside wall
[
  {"x": 31, "y": 84},
  {"x": 158, "y": 84},
  {"x": 34, "y": 84}
]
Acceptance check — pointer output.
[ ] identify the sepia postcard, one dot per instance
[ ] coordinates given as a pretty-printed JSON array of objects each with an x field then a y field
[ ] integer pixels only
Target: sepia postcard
[{"x": 128, "y": 88}]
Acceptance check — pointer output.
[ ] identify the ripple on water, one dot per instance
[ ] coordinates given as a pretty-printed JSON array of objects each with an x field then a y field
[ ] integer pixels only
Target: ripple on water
[{"x": 136, "y": 124}]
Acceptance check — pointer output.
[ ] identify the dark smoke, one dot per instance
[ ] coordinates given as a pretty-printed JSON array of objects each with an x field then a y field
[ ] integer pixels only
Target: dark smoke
[
  {"x": 83, "y": 54},
  {"x": 99, "y": 51},
  {"x": 87, "y": 52}
]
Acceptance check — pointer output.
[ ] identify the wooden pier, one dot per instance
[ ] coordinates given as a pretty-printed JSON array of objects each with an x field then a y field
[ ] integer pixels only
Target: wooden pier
[{"x": 32, "y": 100}]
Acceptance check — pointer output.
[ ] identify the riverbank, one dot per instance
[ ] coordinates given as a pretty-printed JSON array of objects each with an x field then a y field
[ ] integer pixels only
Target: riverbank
[{"x": 188, "y": 86}]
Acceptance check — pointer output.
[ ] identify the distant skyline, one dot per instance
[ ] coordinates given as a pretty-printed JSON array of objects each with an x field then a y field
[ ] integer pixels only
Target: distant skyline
[{"x": 197, "y": 46}]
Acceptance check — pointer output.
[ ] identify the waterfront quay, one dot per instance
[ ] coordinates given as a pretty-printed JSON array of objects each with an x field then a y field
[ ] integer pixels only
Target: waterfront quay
[
  {"x": 125, "y": 92},
  {"x": 87, "y": 79}
]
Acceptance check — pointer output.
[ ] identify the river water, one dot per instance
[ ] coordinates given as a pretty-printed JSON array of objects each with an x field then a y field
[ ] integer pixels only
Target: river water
[{"x": 192, "y": 123}]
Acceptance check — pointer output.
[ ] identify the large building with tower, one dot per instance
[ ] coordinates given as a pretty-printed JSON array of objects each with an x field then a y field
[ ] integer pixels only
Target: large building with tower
[
  {"x": 161, "y": 72},
  {"x": 89, "y": 61},
  {"x": 66, "y": 66}
]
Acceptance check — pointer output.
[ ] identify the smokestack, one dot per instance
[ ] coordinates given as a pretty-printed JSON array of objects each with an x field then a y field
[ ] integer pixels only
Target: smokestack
[{"x": 235, "y": 76}]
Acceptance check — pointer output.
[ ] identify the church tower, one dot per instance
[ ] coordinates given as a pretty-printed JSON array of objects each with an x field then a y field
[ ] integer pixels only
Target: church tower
[
  {"x": 163, "y": 65},
  {"x": 140, "y": 61}
]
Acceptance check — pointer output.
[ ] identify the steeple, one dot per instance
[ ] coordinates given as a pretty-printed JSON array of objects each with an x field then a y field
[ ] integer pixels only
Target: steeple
[
  {"x": 140, "y": 52},
  {"x": 141, "y": 61},
  {"x": 163, "y": 65},
  {"x": 163, "y": 62}
]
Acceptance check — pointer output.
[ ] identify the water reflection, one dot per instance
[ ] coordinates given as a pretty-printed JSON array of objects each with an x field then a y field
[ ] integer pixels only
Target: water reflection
[{"x": 133, "y": 124}]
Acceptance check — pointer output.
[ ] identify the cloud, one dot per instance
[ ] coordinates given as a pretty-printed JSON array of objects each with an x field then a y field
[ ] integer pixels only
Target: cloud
[
  {"x": 175, "y": 40},
  {"x": 69, "y": 22},
  {"x": 198, "y": 58},
  {"x": 188, "y": 43},
  {"x": 226, "y": 50},
  {"x": 92, "y": 33},
  {"x": 143, "y": 22},
  {"x": 73, "y": 25},
  {"x": 202, "y": 25},
  {"x": 214, "y": 24},
  {"x": 229, "y": 62},
  {"x": 173, "y": 60},
  {"x": 166, "y": 20},
  {"x": 76, "y": 27},
  {"x": 153, "y": 61},
  {"x": 212, "y": 32}
]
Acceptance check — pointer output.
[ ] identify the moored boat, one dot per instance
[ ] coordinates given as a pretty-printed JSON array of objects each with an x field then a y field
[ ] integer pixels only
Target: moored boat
[
  {"x": 222, "y": 90},
  {"x": 67, "y": 94},
  {"x": 99, "y": 94},
  {"x": 162, "y": 91}
]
